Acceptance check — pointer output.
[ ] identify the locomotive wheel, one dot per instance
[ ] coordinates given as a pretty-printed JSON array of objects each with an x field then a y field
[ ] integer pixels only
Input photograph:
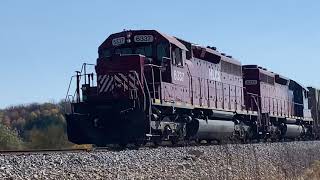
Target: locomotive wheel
[
  {"x": 174, "y": 140},
  {"x": 244, "y": 141},
  {"x": 210, "y": 141},
  {"x": 199, "y": 141},
  {"x": 156, "y": 143}
]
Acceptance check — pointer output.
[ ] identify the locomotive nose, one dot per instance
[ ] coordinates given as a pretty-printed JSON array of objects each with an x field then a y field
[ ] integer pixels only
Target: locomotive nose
[
  {"x": 118, "y": 115},
  {"x": 120, "y": 123}
]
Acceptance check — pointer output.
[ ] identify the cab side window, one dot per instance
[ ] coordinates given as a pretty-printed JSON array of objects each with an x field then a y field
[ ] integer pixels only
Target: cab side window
[
  {"x": 162, "y": 51},
  {"x": 177, "y": 57}
]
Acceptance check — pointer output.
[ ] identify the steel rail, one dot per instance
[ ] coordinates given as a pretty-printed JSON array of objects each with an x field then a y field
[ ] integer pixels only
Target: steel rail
[{"x": 31, "y": 151}]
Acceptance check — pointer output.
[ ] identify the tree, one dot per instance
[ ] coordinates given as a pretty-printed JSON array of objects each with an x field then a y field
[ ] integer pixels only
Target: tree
[
  {"x": 9, "y": 140},
  {"x": 38, "y": 125},
  {"x": 52, "y": 137}
]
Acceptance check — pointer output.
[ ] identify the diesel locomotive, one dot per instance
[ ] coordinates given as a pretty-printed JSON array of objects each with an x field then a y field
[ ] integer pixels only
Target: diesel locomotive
[{"x": 149, "y": 86}]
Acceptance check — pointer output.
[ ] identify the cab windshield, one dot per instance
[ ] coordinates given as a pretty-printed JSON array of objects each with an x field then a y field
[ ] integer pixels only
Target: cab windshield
[
  {"x": 161, "y": 50},
  {"x": 143, "y": 50}
]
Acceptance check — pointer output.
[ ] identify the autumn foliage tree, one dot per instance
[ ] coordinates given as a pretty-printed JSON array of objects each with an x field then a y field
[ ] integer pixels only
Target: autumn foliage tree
[
  {"x": 37, "y": 126},
  {"x": 9, "y": 140}
]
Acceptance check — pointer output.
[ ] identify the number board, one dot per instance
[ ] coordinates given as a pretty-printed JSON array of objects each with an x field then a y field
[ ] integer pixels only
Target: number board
[
  {"x": 143, "y": 38},
  {"x": 118, "y": 41},
  {"x": 178, "y": 76},
  {"x": 251, "y": 82},
  {"x": 214, "y": 75}
]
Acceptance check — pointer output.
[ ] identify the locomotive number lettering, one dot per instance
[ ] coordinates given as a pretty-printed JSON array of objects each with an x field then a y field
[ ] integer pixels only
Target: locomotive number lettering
[
  {"x": 178, "y": 76},
  {"x": 118, "y": 41},
  {"x": 214, "y": 75},
  {"x": 143, "y": 38},
  {"x": 251, "y": 82}
]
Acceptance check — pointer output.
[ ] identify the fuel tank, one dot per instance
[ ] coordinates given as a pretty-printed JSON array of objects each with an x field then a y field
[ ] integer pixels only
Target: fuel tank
[
  {"x": 210, "y": 129},
  {"x": 293, "y": 131}
]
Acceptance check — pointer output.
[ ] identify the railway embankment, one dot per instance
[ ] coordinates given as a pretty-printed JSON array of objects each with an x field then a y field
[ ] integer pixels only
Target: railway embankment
[{"x": 290, "y": 160}]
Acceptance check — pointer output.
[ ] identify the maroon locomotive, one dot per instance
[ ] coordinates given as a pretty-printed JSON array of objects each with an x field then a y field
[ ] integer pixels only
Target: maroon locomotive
[{"x": 149, "y": 86}]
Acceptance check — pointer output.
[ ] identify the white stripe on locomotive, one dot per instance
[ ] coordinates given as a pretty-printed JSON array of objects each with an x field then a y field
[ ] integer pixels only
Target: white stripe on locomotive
[{"x": 106, "y": 82}]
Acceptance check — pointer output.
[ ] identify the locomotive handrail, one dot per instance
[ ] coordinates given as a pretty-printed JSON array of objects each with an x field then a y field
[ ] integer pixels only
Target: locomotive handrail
[
  {"x": 273, "y": 98},
  {"x": 79, "y": 75},
  {"x": 144, "y": 95},
  {"x": 70, "y": 82},
  {"x": 153, "y": 65},
  {"x": 85, "y": 70},
  {"x": 69, "y": 86},
  {"x": 256, "y": 101},
  {"x": 153, "y": 77},
  {"x": 150, "y": 110},
  {"x": 72, "y": 98},
  {"x": 280, "y": 100},
  {"x": 289, "y": 104}
]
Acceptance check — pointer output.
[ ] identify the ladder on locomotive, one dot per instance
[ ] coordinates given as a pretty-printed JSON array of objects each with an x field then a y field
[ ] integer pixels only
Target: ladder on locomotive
[{"x": 153, "y": 78}]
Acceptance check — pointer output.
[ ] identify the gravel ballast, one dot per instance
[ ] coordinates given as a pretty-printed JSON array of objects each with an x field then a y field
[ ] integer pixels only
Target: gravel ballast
[{"x": 234, "y": 161}]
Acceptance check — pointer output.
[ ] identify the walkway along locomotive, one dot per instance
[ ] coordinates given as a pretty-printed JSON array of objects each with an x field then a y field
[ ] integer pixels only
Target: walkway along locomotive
[{"x": 151, "y": 86}]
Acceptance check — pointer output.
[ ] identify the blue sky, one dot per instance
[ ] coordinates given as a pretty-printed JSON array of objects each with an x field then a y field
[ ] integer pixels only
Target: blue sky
[{"x": 42, "y": 43}]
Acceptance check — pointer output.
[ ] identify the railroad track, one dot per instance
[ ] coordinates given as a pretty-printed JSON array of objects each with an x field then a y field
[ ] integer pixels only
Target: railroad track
[
  {"x": 109, "y": 148},
  {"x": 37, "y": 151},
  {"x": 66, "y": 150},
  {"x": 91, "y": 149}
]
